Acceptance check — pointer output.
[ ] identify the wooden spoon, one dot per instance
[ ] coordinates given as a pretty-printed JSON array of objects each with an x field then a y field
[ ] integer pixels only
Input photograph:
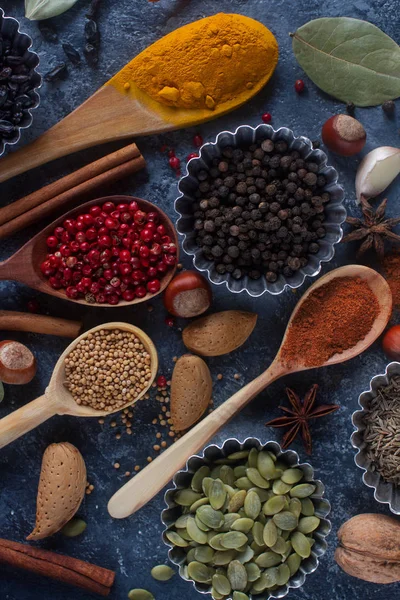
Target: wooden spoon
[
  {"x": 146, "y": 484},
  {"x": 24, "y": 265},
  {"x": 57, "y": 400},
  {"x": 11, "y": 320}
]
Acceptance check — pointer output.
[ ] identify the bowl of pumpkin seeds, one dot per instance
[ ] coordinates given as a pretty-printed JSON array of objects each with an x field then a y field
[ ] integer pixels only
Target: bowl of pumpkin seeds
[{"x": 246, "y": 521}]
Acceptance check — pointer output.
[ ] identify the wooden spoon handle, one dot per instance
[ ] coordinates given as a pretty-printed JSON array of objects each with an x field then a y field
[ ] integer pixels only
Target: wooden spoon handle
[
  {"x": 144, "y": 486},
  {"x": 25, "y": 419},
  {"x": 19, "y": 321}
]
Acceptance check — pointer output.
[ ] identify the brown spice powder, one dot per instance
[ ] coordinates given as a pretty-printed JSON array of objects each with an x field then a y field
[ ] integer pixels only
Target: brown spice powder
[
  {"x": 334, "y": 318},
  {"x": 391, "y": 266}
]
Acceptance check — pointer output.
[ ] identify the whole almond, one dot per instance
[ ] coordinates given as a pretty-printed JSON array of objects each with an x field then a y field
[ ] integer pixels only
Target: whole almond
[
  {"x": 191, "y": 389},
  {"x": 219, "y": 333},
  {"x": 61, "y": 489}
]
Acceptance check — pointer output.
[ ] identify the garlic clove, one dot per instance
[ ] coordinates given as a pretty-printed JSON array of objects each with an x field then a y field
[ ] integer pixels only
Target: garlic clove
[{"x": 377, "y": 171}]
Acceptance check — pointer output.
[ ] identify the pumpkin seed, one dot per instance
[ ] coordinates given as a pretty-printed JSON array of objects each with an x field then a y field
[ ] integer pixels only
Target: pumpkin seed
[
  {"x": 270, "y": 533},
  {"x": 244, "y": 525},
  {"x": 283, "y": 575},
  {"x": 295, "y": 507},
  {"x": 199, "y": 572},
  {"x": 210, "y": 517},
  {"x": 280, "y": 487},
  {"x": 280, "y": 545},
  {"x": 217, "y": 494},
  {"x": 258, "y": 533},
  {"x": 239, "y": 471},
  {"x": 227, "y": 475},
  {"x": 181, "y": 522},
  {"x": 229, "y": 520},
  {"x": 184, "y": 534},
  {"x": 198, "y": 477},
  {"x": 195, "y": 532},
  {"x": 196, "y": 505},
  {"x": 243, "y": 483},
  {"x": 230, "y": 490},
  {"x": 253, "y": 571},
  {"x": 162, "y": 573},
  {"x": 186, "y": 497},
  {"x": 233, "y": 540},
  {"x": 252, "y": 505},
  {"x": 267, "y": 580},
  {"x": 246, "y": 555},
  {"x": 191, "y": 554},
  {"x": 239, "y": 455},
  {"x": 74, "y": 527},
  {"x": 176, "y": 539},
  {"x": 307, "y": 507},
  {"x": 301, "y": 545},
  {"x": 311, "y": 541},
  {"x": 253, "y": 458},
  {"x": 268, "y": 559},
  {"x": 206, "y": 484},
  {"x": 216, "y": 595},
  {"x": 240, "y": 596},
  {"x": 257, "y": 479},
  {"x": 264, "y": 495},
  {"x": 265, "y": 465},
  {"x": 201, "y": 525},
  {"x": 139, "y": 594},
  {"x": 303, "y": 490},
  {"x": 285, "y": 520},
  {"x": 292, "y": 476},
  {"x": 308, "y": 524},
  {"x": 221, "y": 584},
  {"x": 293, "y": 562},
  {"x": 237, "y": 501},
  {"x": 237, "y": 576},
  {"x": 274, "y": 505},
  {"x": 222, "y": 558},
  {"x": 215, "y": 541}
]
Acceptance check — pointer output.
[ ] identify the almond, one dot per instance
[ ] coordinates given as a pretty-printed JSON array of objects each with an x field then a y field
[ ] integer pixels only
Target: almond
[
  {"x": 61, "y": 489},
  {"x": 191, "y": 389},
  {"x": 219, "y": 333}
]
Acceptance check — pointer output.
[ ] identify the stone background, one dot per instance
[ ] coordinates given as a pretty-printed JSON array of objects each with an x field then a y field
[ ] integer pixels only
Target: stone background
[{"x": 132, "y": 547}]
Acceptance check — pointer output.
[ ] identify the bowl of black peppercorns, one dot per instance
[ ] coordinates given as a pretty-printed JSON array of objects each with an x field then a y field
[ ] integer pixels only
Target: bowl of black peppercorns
[
  {"x": 260, "y": 210},
  {"x": 19, "y": 81}
]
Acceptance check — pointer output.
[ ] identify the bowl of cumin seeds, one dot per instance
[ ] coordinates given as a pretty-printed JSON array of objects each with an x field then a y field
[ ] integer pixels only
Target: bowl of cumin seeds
[{"x": 377, "y": 436}]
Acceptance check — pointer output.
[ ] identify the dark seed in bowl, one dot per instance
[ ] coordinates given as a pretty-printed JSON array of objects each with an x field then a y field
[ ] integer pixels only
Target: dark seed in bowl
[{"x": 260, "y": 210}]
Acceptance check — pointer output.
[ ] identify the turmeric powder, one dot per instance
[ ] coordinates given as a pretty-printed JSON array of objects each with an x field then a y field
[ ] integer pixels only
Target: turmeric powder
[{"x": 216, "y": 62}]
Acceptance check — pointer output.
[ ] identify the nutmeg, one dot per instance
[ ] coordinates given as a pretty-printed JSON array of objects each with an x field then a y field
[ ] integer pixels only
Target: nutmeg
[
  {"x": 369, "y": 548},
  {"x": 17, "y": 363}
]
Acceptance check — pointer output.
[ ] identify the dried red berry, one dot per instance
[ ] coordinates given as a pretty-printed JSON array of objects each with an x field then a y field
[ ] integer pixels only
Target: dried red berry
[
  {"x": 299, "y": 85},
  {"x": 266, "y": 117}
]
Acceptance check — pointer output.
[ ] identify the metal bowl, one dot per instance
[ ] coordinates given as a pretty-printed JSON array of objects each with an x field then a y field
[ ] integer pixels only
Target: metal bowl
[
  {"x": 384, "y": 492},
  {"x": 9, "y": 28},
  {"x": 212, "y": 453},
  {"x": 246, "y": 135}
]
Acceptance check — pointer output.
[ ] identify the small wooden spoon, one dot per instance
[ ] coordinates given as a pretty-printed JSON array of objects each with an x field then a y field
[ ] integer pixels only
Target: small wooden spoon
[
  {"x": 11, "y": 320},
  {"x": 146, "y": 484},
  {"x": 57, "y": 400},
  {"x": 24, "y": 265}
]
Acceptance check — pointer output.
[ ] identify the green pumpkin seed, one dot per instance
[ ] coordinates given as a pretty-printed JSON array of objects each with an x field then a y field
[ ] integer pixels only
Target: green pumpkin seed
[
  {"x": 311, "y": 541},
  {"x": 201, "y": 525},
  {"x": 301, "y": 545},
  {"x": 280, "y": 546},
  {"x": 240, "y": 596},
  {"x": 184, "y": 534},
  {"x": 280, "y": 487},
  {"x": 257, "y": 479},
  {"x": 307, "y": 507},
  {"x": 253, "y": 458},
  {"x": 181, "y": 522},
  {"x": 253, "y": 571},
  {"x": 258, "y": 533},
  {"x": 162, "y": 573},
  {"x": 233, "y": 540},
  {"x": 246, "y": 555},
  {"x": 284, "y": 534},
  {"x": 264, "y": 495},
  {"x": 190, "y": 556},
  {"x": 215, "y": 541},
  {"x": 221, "y": 584},
  {"x": 265, "y": 465},
  {"x": 139, "y": 594},
  {"x": 198, "y": 477},
  {"x": 239, "y": 455},
  {"x": 217, "y": 494},
  {"x": 270, "y": 533},
  {"x": 303, "y": 490},
  {"x": 196, "y": 505},
  {"x": 216, "y": 595},
  {"x": 237, "y": 501},
  {"x": 206, "y": 484},
  {"x": 215, "y": 472},
  {"x": 186, "y": 497},
  {"x": 230, "y": 490},
  {"x": 222, "y": 558},
  {"x": 268, "y": 559},
  {"x": 283, "y": 575},
  {"x": 293, "y": 562},
  {"x": 229, "y": 520},
  {"x": 308, "y": 524},
  {"x": 285, "y": 520},
  {"x": 239, "y": 471},
  {"x": 195, "y": 532},
  {"x": 274, "y": 505},
  {"x": 244, "y": 525},
  {"x": 73, "y": 528},
  {"x": 237, "y": 576},
  {"x": 227, "y": 475},
  {"x": 210, "y": 517},
  {"x": 199, "y": 572},
  {"x": 176, "y": 539},
  {"x": 292, "y": 476},
  {"x": 252, "y": 505},
  {"x": 243, "y": 483},
  {"x": 295, "y": 507},
  {"x": 267, "y": 580}
]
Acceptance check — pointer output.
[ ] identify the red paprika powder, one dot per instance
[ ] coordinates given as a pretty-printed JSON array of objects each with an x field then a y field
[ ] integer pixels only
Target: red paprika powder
[
  {"x": 391, "y": 266},
  {"x": 334, "y": 318}
]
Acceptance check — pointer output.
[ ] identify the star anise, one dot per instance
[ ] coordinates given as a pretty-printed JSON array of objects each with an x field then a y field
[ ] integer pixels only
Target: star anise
[
  {"x": 299, "y": 415},
  {"x": 373, "y": 230}
]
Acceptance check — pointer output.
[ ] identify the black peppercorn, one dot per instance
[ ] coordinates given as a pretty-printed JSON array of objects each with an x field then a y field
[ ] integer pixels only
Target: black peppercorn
[
  {"x": 310, "y": 179},
  {"x": 350, "y": 108},
  {"x": 388, "y": 107}
]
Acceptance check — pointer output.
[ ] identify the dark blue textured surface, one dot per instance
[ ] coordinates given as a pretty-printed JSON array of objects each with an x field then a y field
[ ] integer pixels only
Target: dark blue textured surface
[{"x": 132, "y": 547}]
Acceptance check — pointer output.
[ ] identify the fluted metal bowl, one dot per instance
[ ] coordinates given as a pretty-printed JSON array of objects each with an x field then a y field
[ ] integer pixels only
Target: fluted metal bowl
[
  {"x": 214, "y": 452},
  {"x": 9, "y": 28},
  {"x": 245, "y": 136},
  {"x": 384, "y": 492}
]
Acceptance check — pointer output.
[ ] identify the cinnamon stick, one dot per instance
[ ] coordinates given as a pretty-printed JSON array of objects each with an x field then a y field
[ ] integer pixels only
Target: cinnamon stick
[
  {"x": 68, "y": 182},
  {"x": 11, "y": 320},
  {"x": 56, "y": 566},
  {"x": 71, "y": 195}
]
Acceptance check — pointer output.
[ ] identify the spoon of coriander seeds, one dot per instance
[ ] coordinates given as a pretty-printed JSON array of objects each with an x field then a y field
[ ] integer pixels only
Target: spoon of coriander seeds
[{"x": 103, "y": 371}]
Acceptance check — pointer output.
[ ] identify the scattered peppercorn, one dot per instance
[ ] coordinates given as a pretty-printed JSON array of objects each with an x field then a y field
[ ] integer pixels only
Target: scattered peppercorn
[
  {"x": 198, "y": 141},
  {"x": 350, "y": 108},
  {"x": 388, "y": 107},
  {"x": 33, "y": 306},
  {"x": 299, "y": 86},
  {"x": 169, "y": 321},
  {"x": 266, "y": 117},
  {"x": 174, "y": 163},
  {"x": 192, "y": 155}
]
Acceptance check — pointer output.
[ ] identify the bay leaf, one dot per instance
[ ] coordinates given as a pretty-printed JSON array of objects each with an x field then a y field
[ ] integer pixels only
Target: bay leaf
[
  {"x": 38, "y": 10},
  {"x": 350, "y": 59}
]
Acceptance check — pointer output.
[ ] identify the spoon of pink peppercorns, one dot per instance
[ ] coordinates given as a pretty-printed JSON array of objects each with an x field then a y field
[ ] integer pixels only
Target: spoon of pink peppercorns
[{"x": 111, "y": 251}]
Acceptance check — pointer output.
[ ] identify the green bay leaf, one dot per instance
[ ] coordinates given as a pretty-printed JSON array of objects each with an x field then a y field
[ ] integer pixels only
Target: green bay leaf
[{"x": 350, "y": 59}]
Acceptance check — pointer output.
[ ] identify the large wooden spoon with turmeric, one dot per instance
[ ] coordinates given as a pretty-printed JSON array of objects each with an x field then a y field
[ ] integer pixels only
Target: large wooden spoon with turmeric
[
  {"x": 139, "y": 490},
  {"x": 196, "y": 73}
]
